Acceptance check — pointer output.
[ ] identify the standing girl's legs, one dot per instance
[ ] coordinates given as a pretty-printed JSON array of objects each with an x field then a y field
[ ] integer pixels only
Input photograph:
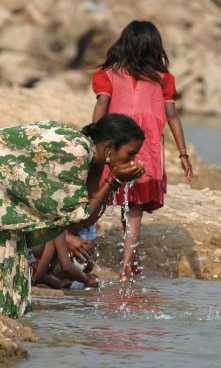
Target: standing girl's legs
[{"x": 131, "y": 227}]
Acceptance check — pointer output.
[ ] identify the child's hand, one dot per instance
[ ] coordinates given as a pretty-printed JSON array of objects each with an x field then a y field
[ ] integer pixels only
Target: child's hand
[
  {"x": 92, "y": 280},
  {"x": 187, "y": 167},
  {"x": 77, "y": 246}
]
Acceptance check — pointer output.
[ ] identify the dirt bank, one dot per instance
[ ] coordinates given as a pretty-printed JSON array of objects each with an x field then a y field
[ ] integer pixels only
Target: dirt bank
[{"x": 181, "y": 239}]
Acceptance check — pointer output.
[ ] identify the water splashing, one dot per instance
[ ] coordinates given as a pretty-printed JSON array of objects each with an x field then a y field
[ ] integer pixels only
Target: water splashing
[{"x": 137, "y": 269}]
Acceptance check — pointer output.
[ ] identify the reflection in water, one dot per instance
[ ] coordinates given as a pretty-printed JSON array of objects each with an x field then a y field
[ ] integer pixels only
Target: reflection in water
[
  {"x": 126, "y": 303},
  {"x": 159, "y": 323},
  {"x": 131, "y": 302},
  {"x": 126, "y": 340}
]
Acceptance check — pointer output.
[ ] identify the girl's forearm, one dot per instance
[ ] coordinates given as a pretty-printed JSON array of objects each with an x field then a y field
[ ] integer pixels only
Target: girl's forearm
[
  {"x": 177, "y": 131},
  {"x": 101, "y": 107},
  {"x": 176, "y": 127},
  {"x": 178, "y": 134}
]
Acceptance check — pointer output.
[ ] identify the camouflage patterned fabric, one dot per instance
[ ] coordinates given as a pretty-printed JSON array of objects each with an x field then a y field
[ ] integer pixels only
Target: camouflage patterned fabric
[{"x": 43, "y": 173}]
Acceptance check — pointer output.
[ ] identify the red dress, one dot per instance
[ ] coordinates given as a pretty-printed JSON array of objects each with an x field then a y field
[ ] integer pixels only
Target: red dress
[{"x": 144, "y": 101}]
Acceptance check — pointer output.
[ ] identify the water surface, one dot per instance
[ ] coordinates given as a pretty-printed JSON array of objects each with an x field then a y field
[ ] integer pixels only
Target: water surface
[
  {"x": 162, "y": 323},
  {"x": 207, "y": 142}
]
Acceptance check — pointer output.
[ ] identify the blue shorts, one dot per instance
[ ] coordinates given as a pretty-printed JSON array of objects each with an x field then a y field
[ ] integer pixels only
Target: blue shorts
[{"x": 88, "y": 234}]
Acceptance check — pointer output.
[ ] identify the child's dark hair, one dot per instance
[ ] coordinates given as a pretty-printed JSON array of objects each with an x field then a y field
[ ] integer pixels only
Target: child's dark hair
[
  {"x": 118, "y": 128},
  {"x": 140, "y": 51}
]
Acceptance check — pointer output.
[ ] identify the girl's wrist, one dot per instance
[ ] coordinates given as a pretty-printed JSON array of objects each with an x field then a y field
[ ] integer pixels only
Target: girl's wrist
[
  {"x": 183, "y": 155},
  {"x": 114, "y": 182}
]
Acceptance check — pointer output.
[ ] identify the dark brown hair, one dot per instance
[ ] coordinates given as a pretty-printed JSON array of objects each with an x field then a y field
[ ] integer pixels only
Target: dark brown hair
[
  {"x": 139, "y": 50},
  {"x": 118, "y": 128}
]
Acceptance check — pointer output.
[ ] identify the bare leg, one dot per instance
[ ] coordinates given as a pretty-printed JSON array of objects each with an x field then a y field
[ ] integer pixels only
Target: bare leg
[
  {"x": 48, "y": 252},
  {"x": 54, "y": 282},
  {"x": 132, "y": 237},
  {"x": 46, "y": 258}
]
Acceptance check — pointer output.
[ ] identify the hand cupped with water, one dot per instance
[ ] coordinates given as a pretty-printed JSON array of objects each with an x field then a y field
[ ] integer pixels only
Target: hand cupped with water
[{"x": 128, "y": 171}]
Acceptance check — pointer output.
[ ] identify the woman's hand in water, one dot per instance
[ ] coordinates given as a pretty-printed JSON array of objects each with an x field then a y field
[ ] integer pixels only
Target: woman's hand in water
[
  {"x": 127, "y": 172},
  {"x": 187, "y": 167}
]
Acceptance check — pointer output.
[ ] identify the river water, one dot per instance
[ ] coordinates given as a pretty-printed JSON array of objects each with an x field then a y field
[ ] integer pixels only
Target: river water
[
  {"x": 206, "y": 138},
  {"x": 162, "y": 323}
]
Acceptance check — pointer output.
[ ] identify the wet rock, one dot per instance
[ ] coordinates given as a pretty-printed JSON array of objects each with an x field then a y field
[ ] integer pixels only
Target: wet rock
[{"x": 12, "y": 334}]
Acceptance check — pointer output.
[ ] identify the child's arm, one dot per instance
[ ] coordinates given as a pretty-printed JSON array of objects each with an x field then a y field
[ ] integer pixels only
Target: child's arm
[
  {"x": 46, "y": 258},
  {"x": 67, "y": 266},
  {"x": 101, "y": 107},
  {"x": 78, "y": 247},
  {"x": 177, "y": 131}
]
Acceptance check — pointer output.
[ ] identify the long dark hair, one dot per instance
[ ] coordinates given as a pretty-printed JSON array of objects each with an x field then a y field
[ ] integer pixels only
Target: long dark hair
[
  {"x": 118, "y": 128},
  {"x": 139, "y": 50}
]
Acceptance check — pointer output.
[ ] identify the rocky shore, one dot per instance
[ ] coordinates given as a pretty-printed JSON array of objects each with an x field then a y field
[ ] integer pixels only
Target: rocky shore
[{"x": 12, "y": 334}]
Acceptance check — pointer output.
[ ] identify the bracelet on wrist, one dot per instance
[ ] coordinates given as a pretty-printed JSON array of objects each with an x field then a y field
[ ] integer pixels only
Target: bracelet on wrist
[
  {"x": 183, "y": 155},
  {"x": 114, "y": 182},
  {"x": 117, "y": 180}
]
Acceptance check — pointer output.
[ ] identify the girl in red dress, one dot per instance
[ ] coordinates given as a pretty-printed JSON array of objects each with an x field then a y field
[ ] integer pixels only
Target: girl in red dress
[{"x": 134, "y": 80}]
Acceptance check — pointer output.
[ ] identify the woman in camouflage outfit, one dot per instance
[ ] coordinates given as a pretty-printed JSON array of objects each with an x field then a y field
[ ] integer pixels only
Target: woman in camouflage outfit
[{"x": 44, "y": 171}]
